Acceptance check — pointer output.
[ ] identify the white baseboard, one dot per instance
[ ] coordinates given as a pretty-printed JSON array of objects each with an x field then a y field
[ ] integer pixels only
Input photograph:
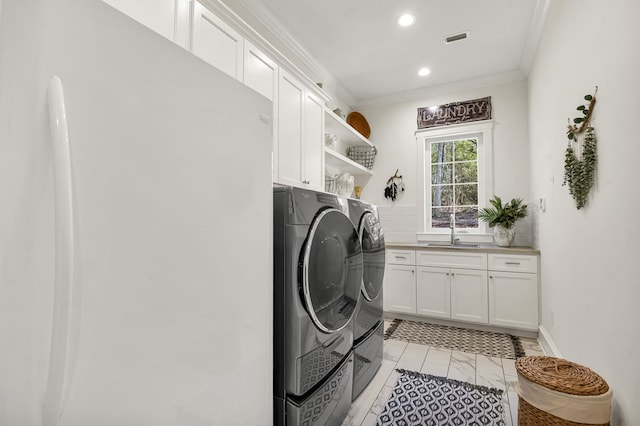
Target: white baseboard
[{"x": 547, "y": 344}]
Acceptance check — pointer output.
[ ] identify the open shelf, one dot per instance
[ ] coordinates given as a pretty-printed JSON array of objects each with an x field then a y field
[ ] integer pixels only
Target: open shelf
[
  {"x": 348, "y": 135},
  {"x": 344, "y": 164}
]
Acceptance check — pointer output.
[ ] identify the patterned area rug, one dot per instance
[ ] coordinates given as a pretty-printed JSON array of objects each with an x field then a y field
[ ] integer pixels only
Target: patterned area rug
[
  {"x": 499, "y": 345},
  {"x": 422, "y": 399}
]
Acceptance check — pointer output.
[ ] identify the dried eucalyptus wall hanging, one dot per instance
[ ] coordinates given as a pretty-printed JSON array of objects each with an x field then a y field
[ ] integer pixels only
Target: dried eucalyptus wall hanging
[
  {"x": 580, "y": 157},
  {"x": 394, "y": 184}
]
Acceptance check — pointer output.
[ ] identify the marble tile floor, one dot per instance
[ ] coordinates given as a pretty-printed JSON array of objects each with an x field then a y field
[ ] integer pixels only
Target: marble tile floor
[{"x": 479, "y": 369}]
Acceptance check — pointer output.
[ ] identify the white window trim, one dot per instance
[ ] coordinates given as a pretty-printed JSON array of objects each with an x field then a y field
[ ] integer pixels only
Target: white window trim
[{"x": 485, "y": 185}]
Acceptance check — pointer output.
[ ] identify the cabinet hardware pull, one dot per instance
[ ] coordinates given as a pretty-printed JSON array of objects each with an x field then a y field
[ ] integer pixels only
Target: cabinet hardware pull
[
  {"x": 512, "y": 263},
  {"x": 400, "y": 257},
  {"x": 491, "y": 276},
  {"x": 447, "y": 274}
]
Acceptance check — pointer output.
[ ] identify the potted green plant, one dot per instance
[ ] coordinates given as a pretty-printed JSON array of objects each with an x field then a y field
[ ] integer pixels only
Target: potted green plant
[{"x": 502, "y": 217}]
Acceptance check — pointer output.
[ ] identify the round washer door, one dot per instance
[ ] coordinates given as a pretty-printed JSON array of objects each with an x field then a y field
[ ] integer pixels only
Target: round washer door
[
  {"x": 372, "y": 240},
  {"x": 331, "y": 270}
]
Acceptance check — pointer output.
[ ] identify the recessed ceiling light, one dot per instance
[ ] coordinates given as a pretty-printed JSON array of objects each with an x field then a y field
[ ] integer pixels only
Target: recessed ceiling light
[
  {"x": 406, "y": 20},
  {"x": 423, "y": 72}
]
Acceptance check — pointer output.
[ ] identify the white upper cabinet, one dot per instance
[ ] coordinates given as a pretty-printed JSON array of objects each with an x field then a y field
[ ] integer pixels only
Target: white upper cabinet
[
  {"x": 312, "y": 142},
  {"x": 299, "y": 147},
  {"x": 158, "y": 15},
  {"x": 216, "y": 42},
  {"x": 289, "y": 148},
  {"x": 260, "y": 72}
]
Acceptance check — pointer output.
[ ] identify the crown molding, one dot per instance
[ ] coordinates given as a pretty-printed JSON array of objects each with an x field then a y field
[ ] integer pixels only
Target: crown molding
[
  {"x": 277, "y": 35},
  {"x": 445, "y": 89},
  {"x": 233, "y": 18}
]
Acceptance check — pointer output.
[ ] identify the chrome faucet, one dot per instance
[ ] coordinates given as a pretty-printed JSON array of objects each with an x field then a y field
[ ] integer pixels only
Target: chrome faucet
[{"x": 452, "y": 226}]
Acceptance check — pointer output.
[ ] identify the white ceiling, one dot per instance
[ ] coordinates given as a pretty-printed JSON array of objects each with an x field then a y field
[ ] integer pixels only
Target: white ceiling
[{"x": 359, "y": 43}]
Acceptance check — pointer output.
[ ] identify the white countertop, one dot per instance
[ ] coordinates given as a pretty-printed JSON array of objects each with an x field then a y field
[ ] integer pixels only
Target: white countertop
[{"x": 485, "y": 248}]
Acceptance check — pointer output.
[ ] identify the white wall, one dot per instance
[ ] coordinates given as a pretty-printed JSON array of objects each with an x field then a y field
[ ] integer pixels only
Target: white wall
[
  {"x": 590, "y": 269},
  {"x": 393, "y": 132},
  {"x": 159, "y": 15},
  {"x": 26, "y": 222}
]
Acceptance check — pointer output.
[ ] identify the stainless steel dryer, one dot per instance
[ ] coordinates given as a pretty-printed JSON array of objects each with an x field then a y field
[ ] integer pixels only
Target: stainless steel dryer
[
  {"x": 317, "y": 279},
  {"x": 368, "y": 322}
]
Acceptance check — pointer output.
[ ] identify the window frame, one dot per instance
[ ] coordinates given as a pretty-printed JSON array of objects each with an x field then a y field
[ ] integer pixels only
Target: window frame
[{"x": 483, "y": 130}]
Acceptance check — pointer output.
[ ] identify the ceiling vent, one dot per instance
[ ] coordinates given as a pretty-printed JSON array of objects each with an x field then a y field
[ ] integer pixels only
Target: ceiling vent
[{"x": 456, "y": 37}]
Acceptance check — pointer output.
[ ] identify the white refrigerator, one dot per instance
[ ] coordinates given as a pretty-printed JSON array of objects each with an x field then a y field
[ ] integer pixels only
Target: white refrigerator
[{"x": 136, "y": 264}]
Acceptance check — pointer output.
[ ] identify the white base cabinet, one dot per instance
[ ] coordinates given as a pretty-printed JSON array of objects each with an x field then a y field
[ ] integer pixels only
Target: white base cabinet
[
  {"x": 400, "y": 289},
  {"x": 458, "y": 293},
  {"x": 399, "y": 282},
  {"x": 460, "y": 286},
  {"x": 433, "y": 292},
  {"x": 513, "y": 300},
  {"x": 469, "y": 296}
]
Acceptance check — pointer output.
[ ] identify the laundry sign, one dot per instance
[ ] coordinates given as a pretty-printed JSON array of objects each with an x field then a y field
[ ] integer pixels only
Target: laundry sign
[{"x": 455, "y": 113}]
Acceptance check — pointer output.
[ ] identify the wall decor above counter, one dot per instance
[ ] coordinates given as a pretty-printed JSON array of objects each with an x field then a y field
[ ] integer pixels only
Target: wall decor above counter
[{"x": 455, "y": 113}]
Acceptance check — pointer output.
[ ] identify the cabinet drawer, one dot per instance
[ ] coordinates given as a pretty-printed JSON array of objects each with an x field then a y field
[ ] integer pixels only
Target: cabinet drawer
[
  {"x": 401, "y": 257},
  {"x": 465, "y": 259},
  {"x": 513, "y": 262}
]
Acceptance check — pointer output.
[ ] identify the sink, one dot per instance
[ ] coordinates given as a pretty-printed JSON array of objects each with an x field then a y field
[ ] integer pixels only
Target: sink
[
  {"x": 465, "y": 245},
  {"x": 456, "y": 245}
]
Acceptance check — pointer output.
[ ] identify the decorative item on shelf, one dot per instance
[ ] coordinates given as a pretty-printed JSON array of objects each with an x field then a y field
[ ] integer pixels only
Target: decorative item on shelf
[
  {"x": 357, "y": 191},
  {"x": 394, "y": 184},
  {"x": 581, "y": 157},
  {"x": 345, "y": 183},
  {"x": 339, "y": 113},
  {"x": 331, "y": 140},
  {"x": 502, "y": 217},
  {"x": 364, "y": 155},
  {"x": 329, "y": 185},
  {"x": 358, "y": 122}
]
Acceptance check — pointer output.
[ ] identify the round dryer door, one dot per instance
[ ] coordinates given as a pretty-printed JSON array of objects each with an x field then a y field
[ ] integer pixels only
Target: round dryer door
[
  {"x": 372, "y": 241},
  {"x": 331, "y": 270}
]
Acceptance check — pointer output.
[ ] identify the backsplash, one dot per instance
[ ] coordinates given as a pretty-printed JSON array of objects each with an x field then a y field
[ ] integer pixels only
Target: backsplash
[{"x": 400, "y": 224}]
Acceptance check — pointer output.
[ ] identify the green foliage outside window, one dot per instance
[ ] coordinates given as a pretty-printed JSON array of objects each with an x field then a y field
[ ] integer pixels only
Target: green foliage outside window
[{"x": 454, "y": 183}]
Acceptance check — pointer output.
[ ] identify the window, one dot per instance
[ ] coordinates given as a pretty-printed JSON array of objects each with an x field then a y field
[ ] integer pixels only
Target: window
[
  {"x": 456, "y": 166},
  {"x": 454, "y": 182}
]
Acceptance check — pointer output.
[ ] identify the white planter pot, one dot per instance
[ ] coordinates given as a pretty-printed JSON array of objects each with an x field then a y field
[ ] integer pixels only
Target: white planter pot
[{"x": 504, "y": 237}]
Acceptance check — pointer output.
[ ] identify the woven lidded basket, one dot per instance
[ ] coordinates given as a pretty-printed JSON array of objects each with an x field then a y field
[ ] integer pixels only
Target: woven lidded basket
[
  {"x": 562, "y": 383},
  {"x": 364, "y": 155}
]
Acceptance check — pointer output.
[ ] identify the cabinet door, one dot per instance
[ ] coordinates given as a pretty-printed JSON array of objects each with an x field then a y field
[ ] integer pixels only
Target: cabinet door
[
  {"x": 400, "y": 289},
  {"x": 469, "y": 295},
  {"x": 260, "y": 72},
  {"x": 433, "y": 292},
  {"x": 216, "y": 42},
  {"x": 290, "y": 107},
  {"x": 312, "y": 150},
  {"x": 513, "y": 300},
  {"x": 159, "y": 15}
]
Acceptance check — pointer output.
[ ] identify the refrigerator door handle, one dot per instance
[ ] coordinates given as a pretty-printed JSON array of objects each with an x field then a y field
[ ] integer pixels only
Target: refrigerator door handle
[{"x": 65, "y": 256}]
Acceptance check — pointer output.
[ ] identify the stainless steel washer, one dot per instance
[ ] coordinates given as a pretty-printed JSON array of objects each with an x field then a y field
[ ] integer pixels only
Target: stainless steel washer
[
  {"x": 368, "y": 322},
  {"x": 317, "y": 277}
]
